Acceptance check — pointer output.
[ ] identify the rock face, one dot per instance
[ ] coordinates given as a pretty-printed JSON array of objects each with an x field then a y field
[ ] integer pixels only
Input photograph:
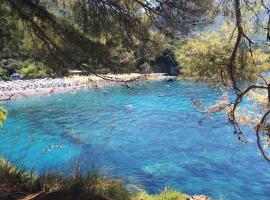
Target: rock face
[
  {"x": 198, "y": 197},
  {"x": 166, "y": 63},
  {"x": 174, "y": 71}
]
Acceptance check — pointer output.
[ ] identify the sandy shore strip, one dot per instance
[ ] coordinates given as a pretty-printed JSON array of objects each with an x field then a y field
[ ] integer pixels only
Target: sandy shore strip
[{"x": 12, "y": 90}]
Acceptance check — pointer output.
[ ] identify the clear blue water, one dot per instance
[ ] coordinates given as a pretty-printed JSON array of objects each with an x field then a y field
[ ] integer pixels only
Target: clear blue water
[{"x": 149, "y": 134}]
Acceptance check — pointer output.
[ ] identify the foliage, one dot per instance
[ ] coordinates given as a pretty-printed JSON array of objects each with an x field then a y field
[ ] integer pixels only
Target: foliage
[
  {"x": 148, "y": 51},
  {"x": 110, "y": 36},
  {"x": 28, "y": 68},
  {"x": 93, "y": 183},
  {"x": 207, "y": 57},
  {"x": 4, "y": 74},
  {"x": 34, "y": 70},
  {"x": 14, "y": 177},
  {"x": 166, "y": 195},
  {"x": 3, "y": 116},
  {"x": 10, "y": 37}
]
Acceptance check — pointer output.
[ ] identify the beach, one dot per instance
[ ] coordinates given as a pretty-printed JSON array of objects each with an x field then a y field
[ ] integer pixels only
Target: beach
[{"x": 12, "y": 90}]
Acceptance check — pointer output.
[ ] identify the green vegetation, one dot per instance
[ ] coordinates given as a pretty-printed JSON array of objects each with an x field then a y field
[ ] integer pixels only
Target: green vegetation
[
  {"x": 3, "y": 116},
  {"x": 207, "y": 57},
  {"x": 35, "y": 70},
  {"x": 93, "y": 183},
  {"x": 29, "y": 69},
  {"x": 16, "y": 178},
  {"x": 166, "y": 195},
  {"x": 105, "y": 37}
]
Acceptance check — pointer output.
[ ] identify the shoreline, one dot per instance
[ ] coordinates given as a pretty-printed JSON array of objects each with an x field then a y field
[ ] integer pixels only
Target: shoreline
[{"x": 18, "y": 89}]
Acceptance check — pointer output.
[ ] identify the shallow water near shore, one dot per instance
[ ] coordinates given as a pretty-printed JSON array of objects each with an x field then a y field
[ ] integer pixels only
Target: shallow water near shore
[{"x": 149, "y": 134}]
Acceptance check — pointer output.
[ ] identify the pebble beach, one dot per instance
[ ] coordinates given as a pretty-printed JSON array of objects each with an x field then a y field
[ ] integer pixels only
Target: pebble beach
[{"x": 12, "y": 90}]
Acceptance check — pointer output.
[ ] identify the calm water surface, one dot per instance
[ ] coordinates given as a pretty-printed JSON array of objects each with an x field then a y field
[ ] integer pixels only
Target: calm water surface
[{"x": 149, "y": 134}]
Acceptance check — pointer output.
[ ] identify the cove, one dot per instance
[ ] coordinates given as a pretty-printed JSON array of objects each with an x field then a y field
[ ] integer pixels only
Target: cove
[{"x": 149, "y": 134}]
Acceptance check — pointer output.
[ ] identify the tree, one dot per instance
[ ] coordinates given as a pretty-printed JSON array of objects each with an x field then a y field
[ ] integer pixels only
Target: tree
[
  {"x": 68, "y": 33},
  {"x": 206, "y": 58},
  {"x": 262, "y": 128},
  {"x": 248, "y": 17}
]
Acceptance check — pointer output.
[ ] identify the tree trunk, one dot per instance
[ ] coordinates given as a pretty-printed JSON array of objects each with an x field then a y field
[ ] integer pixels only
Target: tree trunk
[{"x": 268, "y": 90}]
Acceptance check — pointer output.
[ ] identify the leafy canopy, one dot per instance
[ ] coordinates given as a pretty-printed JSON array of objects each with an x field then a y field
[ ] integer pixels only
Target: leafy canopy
[
  {"x": 207, "y": 57},
  {"x": 64, "y": 34}
]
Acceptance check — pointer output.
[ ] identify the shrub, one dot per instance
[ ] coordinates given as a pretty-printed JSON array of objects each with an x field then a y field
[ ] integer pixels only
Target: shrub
[
  {"x": 34, "y": 70},
  {"x": 27, "y": 68},
  {"x": 15, "y": 177},
  {"x": 4, "y": 74},
  {"x": 94, "y": 183},
  {"x": 166, "y": 195},
  {"x": 3, "y": 116}
]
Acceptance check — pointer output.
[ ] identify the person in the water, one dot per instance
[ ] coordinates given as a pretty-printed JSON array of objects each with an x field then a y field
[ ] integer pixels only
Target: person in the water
[
  {"x": 59, "y": 146},
  {"x": 46, "y": 150}
]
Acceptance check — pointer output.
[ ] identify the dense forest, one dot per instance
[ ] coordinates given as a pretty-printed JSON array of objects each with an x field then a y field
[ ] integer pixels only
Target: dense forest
[{"x": 45, "y": 38}]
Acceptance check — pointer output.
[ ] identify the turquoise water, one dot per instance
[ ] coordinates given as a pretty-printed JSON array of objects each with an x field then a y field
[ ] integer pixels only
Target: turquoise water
[{"x": 149, "y": 134}]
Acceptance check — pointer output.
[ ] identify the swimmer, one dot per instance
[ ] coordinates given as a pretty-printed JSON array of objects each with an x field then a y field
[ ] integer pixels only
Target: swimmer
[
  {"x": 129, "y": 106},
  {"x": 59, "y": 146},
  {"x": 46, "y": 150}
]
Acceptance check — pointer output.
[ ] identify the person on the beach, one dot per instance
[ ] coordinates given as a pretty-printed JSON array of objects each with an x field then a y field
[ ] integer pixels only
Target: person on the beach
[
  {"x": 52, "y": 91},
  {"x": 9, "y": 97}
]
